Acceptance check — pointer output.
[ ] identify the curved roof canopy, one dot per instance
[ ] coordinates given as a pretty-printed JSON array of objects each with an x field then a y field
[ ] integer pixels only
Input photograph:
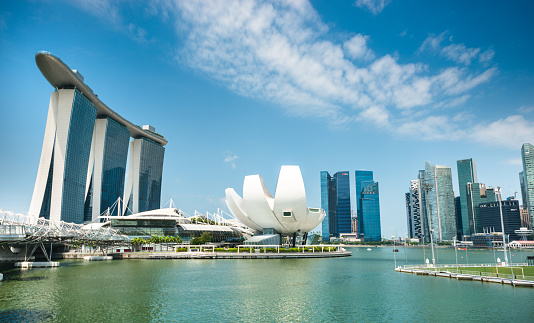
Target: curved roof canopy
[{"x": 60, "y": 76}]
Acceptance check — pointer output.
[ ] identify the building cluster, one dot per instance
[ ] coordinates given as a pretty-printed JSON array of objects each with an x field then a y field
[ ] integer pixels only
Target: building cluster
[
  {"x": 336, "y": 201},
  {"x": 82, "y": 169},
  {"x": 435, "y": 213}
]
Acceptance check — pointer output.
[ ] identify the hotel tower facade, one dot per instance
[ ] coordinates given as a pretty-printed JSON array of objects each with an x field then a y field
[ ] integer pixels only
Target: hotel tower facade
[{"x": 85, "y": 150}]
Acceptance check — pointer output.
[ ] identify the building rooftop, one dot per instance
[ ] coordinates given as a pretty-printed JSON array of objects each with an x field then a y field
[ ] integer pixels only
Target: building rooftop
[{"x": 61, "y": 76}]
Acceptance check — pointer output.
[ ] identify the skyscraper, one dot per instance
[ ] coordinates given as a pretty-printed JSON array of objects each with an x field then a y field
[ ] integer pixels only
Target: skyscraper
[
  {"x": 343, "y": 212},
  {"x": 328, "y": 204},
  {"x": 414, "y": 211},
  {"x": 59, "y": 190},
  {"x": 335, "y": 200},
  {"x": 522, "y": 184},
  {"x": 85, "y": 147},
  {"x": 440, "y": 195},
  {"x": 527, "y": 153},
  {"x": 143, "y": 189},
  {"x": 369, "y": 216},
  {"x": 107, "y": 167},
  {"x": 467, "y": 173},
  {"x": 477, "y": 193}
]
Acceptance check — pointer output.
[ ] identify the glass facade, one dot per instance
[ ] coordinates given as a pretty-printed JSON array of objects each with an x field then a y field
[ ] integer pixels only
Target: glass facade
[
  {"x": 527, "y": 154},
  {"x": 446, "y": 208},
  {"x": 114, "y": 163},
  {"x": 477, "y": 194},
  {"x": 467, "y": 173},
  {"x": 150, "y": 173},
  {"x": 413, "y": 211},
  {"x": 360, "y": 177},
  {"x": 145, "y": 228},
  {"x": 328, "y": 204},
  {"x": 370, "y": 211},
  {"x": 82, "y": 121},
  {"x": 490, "y": 217},
  {"x": 343, "y": 209}
]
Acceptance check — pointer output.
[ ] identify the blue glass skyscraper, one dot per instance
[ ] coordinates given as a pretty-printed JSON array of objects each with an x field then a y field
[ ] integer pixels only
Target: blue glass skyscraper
[
  {"x": 370, "y": 211},
  {"x": 343, "y": 202},
  {"x": 361, "y": 176},
  {"x": 329, "y": 205},
  {"x": 335, "y": 200}
]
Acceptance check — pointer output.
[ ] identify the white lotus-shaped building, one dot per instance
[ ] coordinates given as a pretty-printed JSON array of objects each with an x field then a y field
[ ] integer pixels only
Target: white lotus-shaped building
[{"x": 286, "y": 213}]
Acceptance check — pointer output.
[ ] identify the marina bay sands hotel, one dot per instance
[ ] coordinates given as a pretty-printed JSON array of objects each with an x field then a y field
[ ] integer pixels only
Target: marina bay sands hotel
[{"x": 85, "y": 149}]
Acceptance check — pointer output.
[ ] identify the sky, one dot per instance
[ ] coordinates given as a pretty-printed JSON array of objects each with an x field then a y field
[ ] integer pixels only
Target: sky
[{"x": 243, "y": 87}]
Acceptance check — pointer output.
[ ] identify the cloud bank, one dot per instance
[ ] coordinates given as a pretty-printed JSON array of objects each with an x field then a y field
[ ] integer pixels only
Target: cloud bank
[{"x": 281, "y": 51}]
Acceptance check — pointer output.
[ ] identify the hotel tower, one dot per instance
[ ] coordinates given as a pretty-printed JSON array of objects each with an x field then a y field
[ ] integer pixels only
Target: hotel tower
[{"x": 82, "y": 168}]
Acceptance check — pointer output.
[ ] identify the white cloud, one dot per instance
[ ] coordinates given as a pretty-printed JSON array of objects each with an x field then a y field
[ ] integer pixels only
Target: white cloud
[
  {"x": 375, "y": 6},
  {"x": 356, "y": 48},
  {"x": 505, "y": 132},
  {"x": 280, "y": 51},
  {"x": 515, "y": 161},
  {"x": 458, "y": 53},
  {"x": 231, "y": 159},
  {"x": 525, "y": 110}
]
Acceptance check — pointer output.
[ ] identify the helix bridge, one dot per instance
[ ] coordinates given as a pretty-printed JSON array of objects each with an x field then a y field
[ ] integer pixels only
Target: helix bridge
[{"x": 21, "y": 232}]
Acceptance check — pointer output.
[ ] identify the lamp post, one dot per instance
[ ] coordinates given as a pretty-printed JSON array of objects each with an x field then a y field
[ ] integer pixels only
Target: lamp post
[
  {"x": 499, "y": 198},
  {"x": 394, "y": 254},
  {"x": 428, "y": 187}
]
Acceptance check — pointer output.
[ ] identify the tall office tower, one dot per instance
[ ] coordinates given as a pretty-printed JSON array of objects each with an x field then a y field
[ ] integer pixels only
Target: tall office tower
[
  {"x": 343, "y": 209},
  {"x": 458, "y": 215},
  {"x": 477, "y": 193},
  {"x": 59, "y": 189},
  {"x": 360, "y": 177},
  {"x": 143, "y": 188},
  {"x": 523, "y": 190},
  {"x": 525, "y": 219},
  {"x": 83, "y": 160},
  {"x": 409, "y": 218},
  {"x": 527, "y": 153},
  {"x": 107, "y": 167},
  {"x": 369, "y": 201},
  {"x": 440, "y": 195},
  {"x": 446, "y": 208},
  {"x": 490, "y": 217},
  {"x": 329, "y": 205},
  {"x": 335, "y": 200},
  {"x": 425, "y": 220},
  {"x": 413, "y": 209},
  {"x": 467, "y": 173}
]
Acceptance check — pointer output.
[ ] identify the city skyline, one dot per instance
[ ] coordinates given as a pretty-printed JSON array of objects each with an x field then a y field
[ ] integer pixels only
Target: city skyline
[{"x": 353, "y": 85}]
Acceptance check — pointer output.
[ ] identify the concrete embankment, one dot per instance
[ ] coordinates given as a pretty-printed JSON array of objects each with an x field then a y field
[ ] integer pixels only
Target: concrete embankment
[{"x": 212, "y": 255}]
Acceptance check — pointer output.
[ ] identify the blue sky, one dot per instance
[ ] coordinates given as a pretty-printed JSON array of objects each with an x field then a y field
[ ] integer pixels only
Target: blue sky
[{"x": 243, "y": 87}]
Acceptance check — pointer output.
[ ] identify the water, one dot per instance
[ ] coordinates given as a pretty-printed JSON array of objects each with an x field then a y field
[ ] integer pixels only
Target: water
[{"x": 363, "y": 287}]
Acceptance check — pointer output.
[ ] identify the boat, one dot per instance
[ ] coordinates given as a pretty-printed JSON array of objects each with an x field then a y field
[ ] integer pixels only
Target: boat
[
  {"x": 395, "y": 250},
  {"x": 368, "y": 249}
]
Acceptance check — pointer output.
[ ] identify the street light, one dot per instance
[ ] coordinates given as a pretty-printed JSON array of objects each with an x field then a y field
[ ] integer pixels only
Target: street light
[
  {"x": 394, "y": 254},
  {"x": 428, "y": 187},
  {"x": 499, "y": 198}
]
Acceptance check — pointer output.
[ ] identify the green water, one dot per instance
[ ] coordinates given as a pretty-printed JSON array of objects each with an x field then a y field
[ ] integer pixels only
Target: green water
[{"x": 363, "y": 287}]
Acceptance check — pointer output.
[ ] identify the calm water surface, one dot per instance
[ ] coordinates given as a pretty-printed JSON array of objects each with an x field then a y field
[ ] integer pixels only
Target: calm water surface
[{"x": 363, "y": 287}]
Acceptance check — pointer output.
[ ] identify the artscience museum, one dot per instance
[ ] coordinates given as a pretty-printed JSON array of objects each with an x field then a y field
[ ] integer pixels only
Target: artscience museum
[{"x": 284, "y": 216}]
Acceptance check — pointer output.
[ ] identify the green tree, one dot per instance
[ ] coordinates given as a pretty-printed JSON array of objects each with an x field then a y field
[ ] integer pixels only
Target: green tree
[
  {"x": 196, "y": 241},
  {"x": 206, "y": 237}
]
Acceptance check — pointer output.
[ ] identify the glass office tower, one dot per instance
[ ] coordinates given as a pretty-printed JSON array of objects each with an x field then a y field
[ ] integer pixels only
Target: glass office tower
[
  {"x": 467, "y": 173},
  {"x": 527, "y": 154},
  {"x": 477, "y": 193},
  {"x": 370, "y": 211},
  {"x": 446, "y": 208},
  {"x": 414, "y": 211},
  {"x": 343, "y": 209},
  {"x": 329, "y": 205}
]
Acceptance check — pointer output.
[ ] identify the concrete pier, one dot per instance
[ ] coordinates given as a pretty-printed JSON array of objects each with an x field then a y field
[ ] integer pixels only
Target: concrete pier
[
  {"x": 34, "y": 264},
  {"x": 97, "y": 258}
]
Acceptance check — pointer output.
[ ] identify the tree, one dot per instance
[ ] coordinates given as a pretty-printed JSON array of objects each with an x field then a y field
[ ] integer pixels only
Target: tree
[
  {"x": 196, "y": 241},
  {"x": 206, "y": 237}
]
